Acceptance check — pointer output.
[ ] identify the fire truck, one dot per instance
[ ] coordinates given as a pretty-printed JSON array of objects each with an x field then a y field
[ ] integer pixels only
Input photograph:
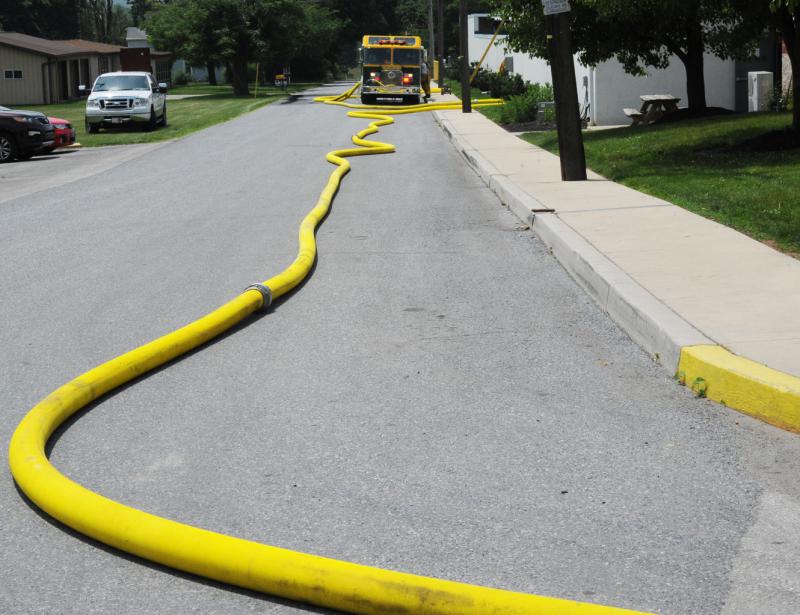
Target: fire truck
[{"x": 390, "y": 68}]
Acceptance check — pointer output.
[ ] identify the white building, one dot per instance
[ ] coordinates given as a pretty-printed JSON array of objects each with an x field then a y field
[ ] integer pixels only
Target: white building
[{"x": 607, "y": 88}]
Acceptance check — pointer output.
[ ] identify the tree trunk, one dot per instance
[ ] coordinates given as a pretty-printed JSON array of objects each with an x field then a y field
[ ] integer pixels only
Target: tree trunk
[
  {"x": 791, "y": 38},
  {"x": 240, "y": 85},
  {"x": 211, "y": 67},
  {"x": 693, "y": 62},
  {"x": 239, "y": 65}
]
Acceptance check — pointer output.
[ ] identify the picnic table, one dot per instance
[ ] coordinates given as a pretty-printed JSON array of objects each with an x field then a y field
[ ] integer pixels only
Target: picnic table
[{"x": 653, "y": 107}]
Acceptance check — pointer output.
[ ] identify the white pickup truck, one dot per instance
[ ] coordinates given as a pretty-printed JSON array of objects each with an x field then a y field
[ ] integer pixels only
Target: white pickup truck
[{"x": 126, "y": 97}]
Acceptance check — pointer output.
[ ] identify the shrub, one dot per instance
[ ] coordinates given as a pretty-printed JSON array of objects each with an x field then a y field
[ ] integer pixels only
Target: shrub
[
  {"x": 181, "y": 78},
  {"x": 505, "y": 85},
  {"x": 482, "y": 80},
  {"x": 525, "y": 107},
  {"x": 451, "y": 69},
  {"x": 497, "y": 84}
]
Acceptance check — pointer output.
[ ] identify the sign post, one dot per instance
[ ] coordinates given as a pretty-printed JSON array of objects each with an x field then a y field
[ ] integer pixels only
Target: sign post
[{"x": 568, "y": 121}]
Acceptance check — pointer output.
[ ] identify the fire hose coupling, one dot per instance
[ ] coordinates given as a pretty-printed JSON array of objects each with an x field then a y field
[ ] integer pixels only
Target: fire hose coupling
[{"x": 266, "y": 294}]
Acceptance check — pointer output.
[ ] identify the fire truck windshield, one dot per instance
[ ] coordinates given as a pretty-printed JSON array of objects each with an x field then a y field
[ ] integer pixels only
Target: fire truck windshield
[
  {"x": 377, "y": 56},
  {"x": 406, "y": 57}
]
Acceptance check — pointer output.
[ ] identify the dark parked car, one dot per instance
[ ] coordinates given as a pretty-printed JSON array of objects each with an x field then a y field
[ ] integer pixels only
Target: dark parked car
[{"x": 23, "y": 134}]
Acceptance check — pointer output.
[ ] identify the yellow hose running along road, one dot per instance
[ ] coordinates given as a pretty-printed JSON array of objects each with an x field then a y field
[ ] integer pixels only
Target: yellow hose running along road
[{"x": 272, "y": 570}]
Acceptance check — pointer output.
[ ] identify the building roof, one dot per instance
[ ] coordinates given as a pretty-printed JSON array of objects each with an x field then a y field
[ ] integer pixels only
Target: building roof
[
  {"x": 39, "y": 45},
  {"x": 92, "y": 46}
]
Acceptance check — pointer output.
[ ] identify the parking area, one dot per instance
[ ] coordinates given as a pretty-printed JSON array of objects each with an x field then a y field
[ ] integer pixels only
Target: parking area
[{"x": 64, "y": 166}]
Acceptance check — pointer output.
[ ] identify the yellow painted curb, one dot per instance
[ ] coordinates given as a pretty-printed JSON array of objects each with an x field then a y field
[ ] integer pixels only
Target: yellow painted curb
[
  {"x": 298, "y": 576},
  {"x": 742, "y": 384}
]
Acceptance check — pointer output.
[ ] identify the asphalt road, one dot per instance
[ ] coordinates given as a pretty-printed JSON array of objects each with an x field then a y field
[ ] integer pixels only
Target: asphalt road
[{"x": 439, "y": 398}]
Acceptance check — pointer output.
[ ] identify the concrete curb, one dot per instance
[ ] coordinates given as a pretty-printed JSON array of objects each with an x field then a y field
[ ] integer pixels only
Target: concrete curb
[
  {"x": 652, "y": 325},
  {"x": 681, "y": 349},
  {"x": 742, "y": 384}
]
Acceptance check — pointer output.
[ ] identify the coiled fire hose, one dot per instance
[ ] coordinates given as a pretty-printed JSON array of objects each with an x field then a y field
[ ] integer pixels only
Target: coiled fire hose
[{"x": 297, "y": 576}]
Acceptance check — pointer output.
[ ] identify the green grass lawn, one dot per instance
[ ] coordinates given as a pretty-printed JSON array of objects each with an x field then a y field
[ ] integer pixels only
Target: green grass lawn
[
  {"x": 493, "y": 113},
  {"x": 185, "y": 116},
  {"x": 692, "y": 164}
]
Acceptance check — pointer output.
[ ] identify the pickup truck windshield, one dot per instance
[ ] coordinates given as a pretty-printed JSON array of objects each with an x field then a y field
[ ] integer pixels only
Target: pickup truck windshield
[{"x": 115, "y": 83}]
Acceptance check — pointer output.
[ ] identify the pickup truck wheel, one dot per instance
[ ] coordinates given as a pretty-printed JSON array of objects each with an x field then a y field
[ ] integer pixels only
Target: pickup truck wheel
[
  {"x": 92, "y": 128},
  {"x": 8, "y": 148},
  {"x": 164, "y": 116},
  {"x": 152, "y": 122}
]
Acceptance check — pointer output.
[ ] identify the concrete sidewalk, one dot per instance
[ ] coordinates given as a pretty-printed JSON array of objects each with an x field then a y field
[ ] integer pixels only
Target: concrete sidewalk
[{"x": 680, "y": 285}]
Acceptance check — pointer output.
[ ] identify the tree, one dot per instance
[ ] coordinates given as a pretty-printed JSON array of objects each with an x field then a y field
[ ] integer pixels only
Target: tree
[
  {"x": 785, "y": 16},
  {"x": 52, "y": 19},
  {"x": 139, "y": 10},
  {"x": 103, "y": 21},
  {"x": 237, "y": 32},
  {"x": 644, "y": 33},
  {"x": 314, "y": 53},
  {"x": 191, "y": 30},
  {"x": 412, "y": 17}
]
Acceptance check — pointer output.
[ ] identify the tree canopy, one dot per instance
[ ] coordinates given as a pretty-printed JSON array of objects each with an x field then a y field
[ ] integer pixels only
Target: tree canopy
[
  {"x": 97, "y": 20},
  {"x": 236, "y": 32},
  {"x": 644, "y": 33}
]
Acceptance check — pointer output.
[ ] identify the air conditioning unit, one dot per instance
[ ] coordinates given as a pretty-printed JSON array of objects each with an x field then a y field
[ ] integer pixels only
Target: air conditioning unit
[{"x": 759, "y": 90}]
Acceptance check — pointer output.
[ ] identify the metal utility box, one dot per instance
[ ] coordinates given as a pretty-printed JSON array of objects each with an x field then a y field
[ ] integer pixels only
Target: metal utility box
[{"x": 759, "y": 90}]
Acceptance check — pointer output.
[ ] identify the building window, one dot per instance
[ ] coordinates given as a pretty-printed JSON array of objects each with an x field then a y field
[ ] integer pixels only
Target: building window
[
  {"x": 162, "y": 72},
  {"x": 486, "y": 25},
  {"x": 102, "y": 64},
  {"x": 12, "y": 73}
]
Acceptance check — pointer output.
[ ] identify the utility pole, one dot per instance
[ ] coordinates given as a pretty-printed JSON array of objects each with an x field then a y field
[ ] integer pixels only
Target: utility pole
[
  {"x": 431, "y": 36},
  {"x": 466, "y": 95},
  {"x": 568, "y": 121},
  {"x": 440, "y": 41}
]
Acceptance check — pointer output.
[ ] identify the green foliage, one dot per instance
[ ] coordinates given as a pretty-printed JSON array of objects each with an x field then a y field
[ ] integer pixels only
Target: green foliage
[
  {"x": 275, "y": 33},
  {"x": 452, "y": 71},
  {"x": 104, "y": 21},
  {"x": 644, "y": 33},
  {"x": 139, "y": 9},
  {"x": 499, "y": 85},
  {"x": 412, "y": 18},
  {"x": 53, "y": 19},
  {"x": 98, "y": 20},
  {"x": 700, "y": 386},
  {"x": 525, "y": 107},
  {"x": 181, "y": 78}
]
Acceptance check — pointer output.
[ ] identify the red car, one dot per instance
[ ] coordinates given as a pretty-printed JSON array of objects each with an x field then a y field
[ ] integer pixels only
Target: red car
[{"x": 65, "y": 133}]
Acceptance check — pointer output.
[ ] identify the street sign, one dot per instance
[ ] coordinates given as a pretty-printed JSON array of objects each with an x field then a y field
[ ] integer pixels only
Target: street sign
[{"x": 553, "y": 7}]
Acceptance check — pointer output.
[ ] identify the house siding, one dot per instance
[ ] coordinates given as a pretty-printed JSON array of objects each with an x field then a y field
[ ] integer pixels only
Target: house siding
[{"x": 29, "y": 90}]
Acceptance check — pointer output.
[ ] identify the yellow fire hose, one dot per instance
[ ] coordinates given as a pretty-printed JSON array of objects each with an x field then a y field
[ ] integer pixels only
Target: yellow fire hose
[{"x": 297, "y": 576}]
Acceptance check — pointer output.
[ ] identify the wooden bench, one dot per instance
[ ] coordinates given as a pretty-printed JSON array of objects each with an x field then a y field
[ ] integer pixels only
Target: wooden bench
[{"x": 636, "y": 115}]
